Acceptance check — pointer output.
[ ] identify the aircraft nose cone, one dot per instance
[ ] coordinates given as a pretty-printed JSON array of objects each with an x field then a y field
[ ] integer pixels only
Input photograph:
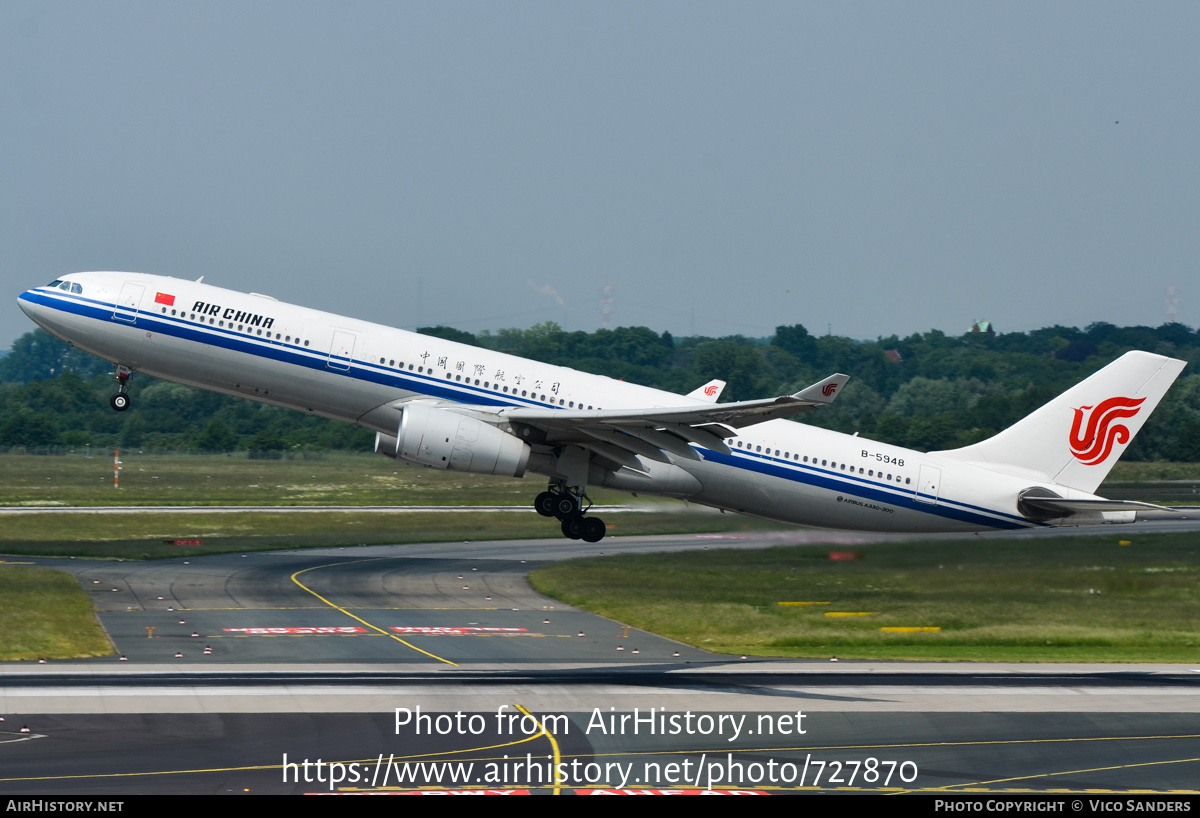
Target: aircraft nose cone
[{"x": 28, "y": 304}]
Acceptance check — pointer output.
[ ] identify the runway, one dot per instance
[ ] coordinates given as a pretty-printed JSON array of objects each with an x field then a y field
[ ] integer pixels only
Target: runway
[{"x": 314, "y": 653}]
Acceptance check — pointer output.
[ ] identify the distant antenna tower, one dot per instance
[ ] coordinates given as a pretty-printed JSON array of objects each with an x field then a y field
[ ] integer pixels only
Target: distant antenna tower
[
  {"x": 606, "y": 305},
  {"x": 1172, "y": 305}
]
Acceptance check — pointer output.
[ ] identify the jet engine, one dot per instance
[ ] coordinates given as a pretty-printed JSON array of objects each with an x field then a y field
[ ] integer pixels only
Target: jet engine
[{"x": 435, "y": 437}]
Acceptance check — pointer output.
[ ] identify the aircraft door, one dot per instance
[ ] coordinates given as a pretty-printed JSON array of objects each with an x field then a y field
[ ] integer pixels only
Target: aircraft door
[
  {"x": 929, "y": 483},
  {"x": 126, "y": 308},
  {"x": 342, "y": 351}
]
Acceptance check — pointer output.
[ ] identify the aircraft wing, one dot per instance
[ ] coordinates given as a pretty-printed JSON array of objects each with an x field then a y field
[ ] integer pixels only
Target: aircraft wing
[{"x": 669, "y": 429}]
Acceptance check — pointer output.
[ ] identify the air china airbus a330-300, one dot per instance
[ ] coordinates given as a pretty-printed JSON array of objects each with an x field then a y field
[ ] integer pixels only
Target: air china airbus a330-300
[{"x": 450, "y": 406}]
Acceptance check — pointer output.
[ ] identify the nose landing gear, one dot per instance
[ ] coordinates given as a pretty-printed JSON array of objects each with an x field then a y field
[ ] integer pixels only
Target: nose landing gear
[{"x": 120, "y": 401}]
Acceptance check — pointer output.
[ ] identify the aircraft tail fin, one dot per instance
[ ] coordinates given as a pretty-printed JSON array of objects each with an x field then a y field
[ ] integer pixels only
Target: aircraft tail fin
[
  {"x": 1075, "y": 439},
  {"x": 709, "y": 393}
]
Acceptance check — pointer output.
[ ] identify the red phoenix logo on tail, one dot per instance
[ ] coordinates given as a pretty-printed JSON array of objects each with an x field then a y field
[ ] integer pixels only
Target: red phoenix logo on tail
[
  {"x": 828, "y": 389},
  {"x": 1094, "y": 443}
]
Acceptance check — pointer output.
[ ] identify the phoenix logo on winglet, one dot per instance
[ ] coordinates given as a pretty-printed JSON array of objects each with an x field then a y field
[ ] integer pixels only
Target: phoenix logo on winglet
[
  {"x": 711, "y": 390},
  {"x": 1095, "y": 444},
  {"x": 829, "y": 389}
]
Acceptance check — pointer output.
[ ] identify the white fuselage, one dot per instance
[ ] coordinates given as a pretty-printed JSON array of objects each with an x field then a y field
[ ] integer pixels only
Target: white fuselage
[{"x": 256, "y": 347}]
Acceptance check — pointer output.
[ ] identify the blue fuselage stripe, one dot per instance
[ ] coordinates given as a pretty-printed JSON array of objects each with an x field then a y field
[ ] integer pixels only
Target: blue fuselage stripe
[{"x": 294, "y": 355}]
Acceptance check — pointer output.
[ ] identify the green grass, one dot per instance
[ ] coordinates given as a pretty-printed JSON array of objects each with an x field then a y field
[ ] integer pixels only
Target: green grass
[
  {"x": 45, "y": 614},
  {"x": 328, "y": 479},
  {"x": 1045, "y": 599},
  {"x": 343, "y": 479},
  {"x": 333, "y": 479},
  {"x": 140, "y": 536}
]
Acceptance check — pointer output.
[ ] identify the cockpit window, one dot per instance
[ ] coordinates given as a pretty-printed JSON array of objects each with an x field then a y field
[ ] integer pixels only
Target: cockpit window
[
  {"x": 77, "y": 288},
  {"x": 55, "y": 282}
]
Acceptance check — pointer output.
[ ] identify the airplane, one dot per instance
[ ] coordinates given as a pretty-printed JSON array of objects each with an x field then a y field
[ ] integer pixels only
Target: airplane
[{"x": 451, "y": 406}]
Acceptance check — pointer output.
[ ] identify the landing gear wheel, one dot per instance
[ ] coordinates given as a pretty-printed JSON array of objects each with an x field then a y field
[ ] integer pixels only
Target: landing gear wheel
[
  {"x": 565, "y": 506},
  {"x": 593, "y": 529},
  {"x": 544, "y": 504},
  {"x": 572, "y": 527},
  {"x": 119, "y": 401}
]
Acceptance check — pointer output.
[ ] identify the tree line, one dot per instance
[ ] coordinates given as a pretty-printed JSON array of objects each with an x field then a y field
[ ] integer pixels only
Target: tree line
[{"x": 926, "y": 391}]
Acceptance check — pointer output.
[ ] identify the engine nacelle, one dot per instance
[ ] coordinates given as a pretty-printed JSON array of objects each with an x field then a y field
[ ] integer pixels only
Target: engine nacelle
[{"x": 447, "y": 440}]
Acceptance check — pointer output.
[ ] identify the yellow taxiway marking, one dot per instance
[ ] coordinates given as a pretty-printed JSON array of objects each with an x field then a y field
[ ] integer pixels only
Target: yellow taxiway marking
[
  {"x": 954, "y": 787},
  {"x": 422, "y": 756},
  {"x": 553, "y": 743},
  {"x": 978, "y": 786},
  {"x": 357, "y": 618},
  {"x": 826, "y": 747}
]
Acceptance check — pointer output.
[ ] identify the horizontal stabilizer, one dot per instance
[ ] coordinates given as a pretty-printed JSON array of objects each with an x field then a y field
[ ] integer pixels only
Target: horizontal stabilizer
[{"x": 1061, "y": 507}]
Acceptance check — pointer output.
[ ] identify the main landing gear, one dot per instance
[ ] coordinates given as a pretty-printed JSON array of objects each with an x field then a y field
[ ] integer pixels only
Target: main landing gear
[
  {"x": 120, "y": 401},
  {"x": 558, "y": 501}
]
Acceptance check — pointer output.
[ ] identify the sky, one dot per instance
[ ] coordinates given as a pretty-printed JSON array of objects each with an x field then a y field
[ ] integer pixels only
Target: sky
[{"x": 868, "y": 169}]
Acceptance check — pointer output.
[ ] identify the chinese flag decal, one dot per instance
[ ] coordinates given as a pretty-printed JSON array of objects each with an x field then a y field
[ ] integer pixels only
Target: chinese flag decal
[{"x": 163, "y": 298}]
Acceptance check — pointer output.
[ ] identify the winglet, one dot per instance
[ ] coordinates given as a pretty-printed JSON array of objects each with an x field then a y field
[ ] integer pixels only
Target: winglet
[
  {"x": 823, "y": 392},
  {"x": 709, "y": 392}
]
